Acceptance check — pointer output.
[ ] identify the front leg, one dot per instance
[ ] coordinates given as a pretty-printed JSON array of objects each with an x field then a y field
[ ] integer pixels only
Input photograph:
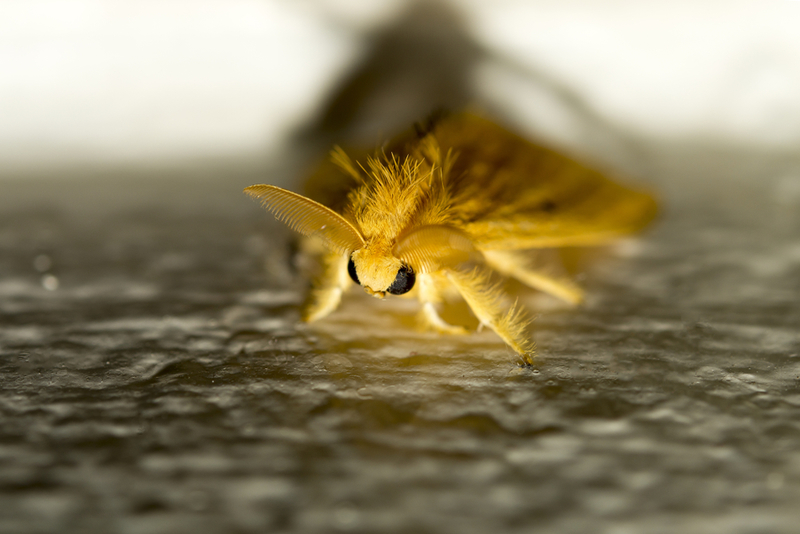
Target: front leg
[
  {"x": 430, "y": 294},
  {"x": 485, "y": 300},
  {"x": 326, "y": 293}
]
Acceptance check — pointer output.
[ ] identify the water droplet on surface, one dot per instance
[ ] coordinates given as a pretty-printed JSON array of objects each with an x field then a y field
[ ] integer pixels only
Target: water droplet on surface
[{"x": 50, "y": 282}]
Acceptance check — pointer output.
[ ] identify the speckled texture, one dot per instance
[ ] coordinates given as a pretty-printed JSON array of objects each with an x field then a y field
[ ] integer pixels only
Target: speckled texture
[{"x": 164, "y": 387}]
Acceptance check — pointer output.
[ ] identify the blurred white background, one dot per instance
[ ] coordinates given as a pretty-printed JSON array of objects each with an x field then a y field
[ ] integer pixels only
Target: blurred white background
[{"x": 131, "y": 81}]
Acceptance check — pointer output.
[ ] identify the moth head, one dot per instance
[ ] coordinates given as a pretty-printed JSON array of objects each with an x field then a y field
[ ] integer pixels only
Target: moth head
[
  {"x": 381, "y": 264},
  {"x": 382, "y": 267},
  {"x": 378, "y": 271}
]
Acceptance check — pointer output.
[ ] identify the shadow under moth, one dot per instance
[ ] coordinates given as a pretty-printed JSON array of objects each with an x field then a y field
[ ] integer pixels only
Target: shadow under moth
[{"x": 445, "y": 209}]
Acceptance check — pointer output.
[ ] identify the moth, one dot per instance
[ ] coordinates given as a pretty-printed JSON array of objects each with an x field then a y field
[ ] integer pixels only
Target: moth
[{"x": 449, "y": 208}]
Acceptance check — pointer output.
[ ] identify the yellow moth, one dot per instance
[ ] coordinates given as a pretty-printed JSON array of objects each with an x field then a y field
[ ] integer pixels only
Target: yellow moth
[{"x": 446, "y": 207}]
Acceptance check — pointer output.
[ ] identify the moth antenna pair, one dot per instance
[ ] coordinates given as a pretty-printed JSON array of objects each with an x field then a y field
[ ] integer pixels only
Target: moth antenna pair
[{"x": 425, "y": 249}]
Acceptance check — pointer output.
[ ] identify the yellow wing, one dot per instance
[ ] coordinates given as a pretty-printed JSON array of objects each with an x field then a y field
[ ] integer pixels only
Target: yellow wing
[{"x": 508, "y": 193}]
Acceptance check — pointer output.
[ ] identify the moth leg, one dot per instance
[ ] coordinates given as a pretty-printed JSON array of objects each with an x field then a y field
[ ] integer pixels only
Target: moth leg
[
  {"x": 326, "y": 293},
  {"x": 430, "y": 295},
  {"x": 549, "y": 278},
  {"x": 485, "y": 300}
]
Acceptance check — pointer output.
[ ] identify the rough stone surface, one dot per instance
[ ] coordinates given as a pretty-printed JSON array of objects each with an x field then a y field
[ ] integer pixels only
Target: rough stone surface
[{"x": 153, "y": 378}]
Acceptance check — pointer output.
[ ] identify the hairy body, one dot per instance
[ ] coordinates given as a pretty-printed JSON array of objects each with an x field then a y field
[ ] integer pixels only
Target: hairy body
[{"x": 443, "y": 208}]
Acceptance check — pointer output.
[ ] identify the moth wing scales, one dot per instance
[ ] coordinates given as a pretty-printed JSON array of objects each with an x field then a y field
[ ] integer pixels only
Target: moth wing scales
[{"x": 509, "y": 193}]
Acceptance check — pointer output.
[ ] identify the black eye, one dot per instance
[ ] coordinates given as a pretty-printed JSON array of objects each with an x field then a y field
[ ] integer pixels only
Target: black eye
[
  {"x": 403, "y": 282},
  {"x": 351, "y": 270}
]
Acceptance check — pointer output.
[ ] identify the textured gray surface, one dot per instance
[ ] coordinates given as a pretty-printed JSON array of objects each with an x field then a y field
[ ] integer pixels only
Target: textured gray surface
[{"x": 164, "y": 386}]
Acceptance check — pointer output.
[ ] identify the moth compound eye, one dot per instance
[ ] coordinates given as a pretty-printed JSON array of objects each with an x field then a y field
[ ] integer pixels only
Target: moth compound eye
[
  {"x": 351, "y": 270},
  {"x": 403, "y": 282}
]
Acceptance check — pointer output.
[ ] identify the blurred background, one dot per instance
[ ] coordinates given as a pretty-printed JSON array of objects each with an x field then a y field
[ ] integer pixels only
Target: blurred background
[{"x": 177, "y": 82}]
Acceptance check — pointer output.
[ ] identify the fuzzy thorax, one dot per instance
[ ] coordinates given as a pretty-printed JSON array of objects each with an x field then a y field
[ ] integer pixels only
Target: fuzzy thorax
[{"x": 376, "y": 266}]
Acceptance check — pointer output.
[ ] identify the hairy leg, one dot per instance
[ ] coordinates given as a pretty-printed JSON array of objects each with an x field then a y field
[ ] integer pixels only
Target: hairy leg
[
  {"x": 485, "y": 300},
  {"x": 548, "y": 277},
  {"x": 326, "y": 293},
  {"x": 430, "y": 294}
]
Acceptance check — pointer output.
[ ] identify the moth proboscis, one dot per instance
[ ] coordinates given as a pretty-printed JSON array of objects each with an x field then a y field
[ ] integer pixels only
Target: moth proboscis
[{"x": 444, "y": 210}]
